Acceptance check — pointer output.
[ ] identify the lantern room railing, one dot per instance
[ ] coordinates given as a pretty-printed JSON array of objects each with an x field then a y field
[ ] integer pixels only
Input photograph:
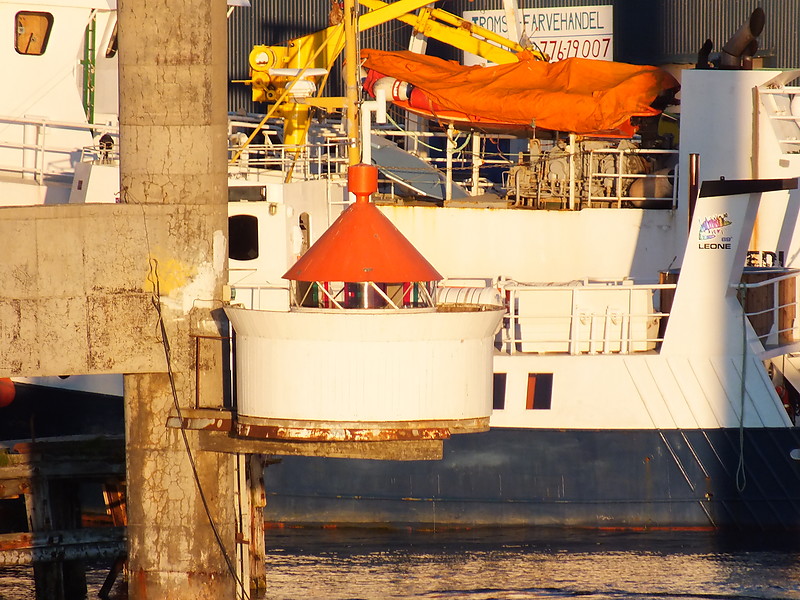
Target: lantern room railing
[{"x": 362, "y": 295}]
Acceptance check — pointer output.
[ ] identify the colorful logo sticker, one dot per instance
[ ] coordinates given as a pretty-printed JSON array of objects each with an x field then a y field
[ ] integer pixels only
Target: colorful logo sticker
[{"x": 713, "y": 229}]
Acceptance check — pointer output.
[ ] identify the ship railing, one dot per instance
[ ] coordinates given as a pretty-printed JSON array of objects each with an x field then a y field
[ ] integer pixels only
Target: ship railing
[
  {"x": 309, "y": 161},
  {"x": 579, "y": 175},
  {"x": 324, "y": 157},
  {"x": 610, "y": 317},
  {"x": 460, "y": 157},
  {"x": 30, "y": 147},
  {"x": 262, "y": 296},
  {"x": 100, "y": 154},
  {"x": 617, "y": 183},
  {"x": 771, "y": 305},
  {"x": 585, "y": 178}
]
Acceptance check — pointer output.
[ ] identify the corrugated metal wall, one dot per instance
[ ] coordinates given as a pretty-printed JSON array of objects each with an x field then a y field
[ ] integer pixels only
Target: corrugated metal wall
[
  {"x": 645, "y": 31},
  {"x": 658, "y": 31},
  {"x": 266, "y": 22}
]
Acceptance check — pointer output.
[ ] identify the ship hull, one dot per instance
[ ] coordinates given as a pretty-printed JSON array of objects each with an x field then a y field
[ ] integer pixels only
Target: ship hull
[{"x": 626, "y": 479}]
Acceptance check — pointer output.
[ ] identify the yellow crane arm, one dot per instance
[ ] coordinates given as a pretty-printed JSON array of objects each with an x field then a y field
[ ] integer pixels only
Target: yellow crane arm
[
  {"x": 304, "y": 52},
  {"x": 453, "y": 30},
  {"x": 276, "y": 72}
]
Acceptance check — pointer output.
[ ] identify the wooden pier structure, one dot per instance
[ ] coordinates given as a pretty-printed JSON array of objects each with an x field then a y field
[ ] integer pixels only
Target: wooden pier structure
[{"x": 52, "y": 477}]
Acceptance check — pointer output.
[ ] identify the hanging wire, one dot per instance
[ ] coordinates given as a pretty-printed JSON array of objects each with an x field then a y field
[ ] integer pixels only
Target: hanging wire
[{"x": 155, "y": 299}]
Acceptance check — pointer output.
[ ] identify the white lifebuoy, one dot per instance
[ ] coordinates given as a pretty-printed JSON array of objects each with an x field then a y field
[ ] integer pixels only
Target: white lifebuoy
[{"x": 394, "y": 88}]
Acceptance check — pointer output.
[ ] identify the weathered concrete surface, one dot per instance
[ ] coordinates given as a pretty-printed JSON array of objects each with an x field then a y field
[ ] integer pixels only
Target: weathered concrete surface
[
  {"x": 172, "y": 550},
  {"x": 173, "y": 124},
  {"x": 76, "y": 295}
]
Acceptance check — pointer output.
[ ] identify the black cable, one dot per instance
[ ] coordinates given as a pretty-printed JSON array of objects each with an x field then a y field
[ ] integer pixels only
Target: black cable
[
  {"x": 156, "y": 301},
  {"x": 152, "y": 278}
]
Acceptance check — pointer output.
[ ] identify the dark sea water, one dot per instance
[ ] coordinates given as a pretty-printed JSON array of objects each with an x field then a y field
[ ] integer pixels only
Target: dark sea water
[
  {"x": 528, "y": 564},
  {"x": 512, "y": 565}
]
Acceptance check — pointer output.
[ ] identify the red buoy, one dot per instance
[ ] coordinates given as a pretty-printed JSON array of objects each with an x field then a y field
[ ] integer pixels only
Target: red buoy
[{"x": 7, "y": 392}]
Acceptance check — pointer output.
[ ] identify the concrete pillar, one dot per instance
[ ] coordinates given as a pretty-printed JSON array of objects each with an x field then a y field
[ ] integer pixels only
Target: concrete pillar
[{"x": 173, "y": 126}]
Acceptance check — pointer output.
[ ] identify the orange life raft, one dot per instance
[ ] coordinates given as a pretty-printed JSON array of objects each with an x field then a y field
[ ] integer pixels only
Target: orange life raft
[{"x": 589, "y": 97}]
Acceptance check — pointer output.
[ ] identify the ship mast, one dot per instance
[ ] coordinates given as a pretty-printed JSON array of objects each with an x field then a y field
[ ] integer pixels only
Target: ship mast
[{"x": 351, "y": 80}]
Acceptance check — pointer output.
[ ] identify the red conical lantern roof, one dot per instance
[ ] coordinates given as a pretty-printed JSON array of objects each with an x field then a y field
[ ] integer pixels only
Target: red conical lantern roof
[{"x": 362, "y": 244}]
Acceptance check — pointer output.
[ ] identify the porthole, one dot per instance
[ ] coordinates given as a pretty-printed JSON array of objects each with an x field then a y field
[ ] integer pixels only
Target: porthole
[{"x": 32, "y": 31}]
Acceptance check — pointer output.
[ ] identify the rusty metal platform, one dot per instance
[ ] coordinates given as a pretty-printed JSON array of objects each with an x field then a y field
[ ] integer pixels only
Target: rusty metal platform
[{"x": 221, "y": 432}]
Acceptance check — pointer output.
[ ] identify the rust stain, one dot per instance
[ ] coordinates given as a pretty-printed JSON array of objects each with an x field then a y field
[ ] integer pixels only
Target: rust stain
[
  {"x": 698, "y": 528},
  {"x": 22, "y": 541},
  {"x": 140, "y": 584},
  {"x": 319, "y": 434}
]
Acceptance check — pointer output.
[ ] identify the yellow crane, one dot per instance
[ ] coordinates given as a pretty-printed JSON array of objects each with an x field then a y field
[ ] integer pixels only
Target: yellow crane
[{"x": 288, "y": 74}]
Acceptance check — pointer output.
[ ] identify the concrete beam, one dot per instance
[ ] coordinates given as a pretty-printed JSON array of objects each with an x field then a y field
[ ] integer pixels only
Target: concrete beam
[{"x": 77, "y": 286}]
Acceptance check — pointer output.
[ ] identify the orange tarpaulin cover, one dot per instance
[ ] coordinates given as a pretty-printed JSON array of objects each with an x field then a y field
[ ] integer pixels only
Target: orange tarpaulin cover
[{"x": 577, "y": 95}]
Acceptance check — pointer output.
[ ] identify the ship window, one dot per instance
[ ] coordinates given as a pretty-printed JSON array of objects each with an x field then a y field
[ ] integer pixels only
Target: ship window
[
  {"x": 243, "y": 237},
  {"x": 32, "y": 30},
  {"x": 499, "y": 391},
  {"x": 245, "y": 193},
  {"x": 540, "y": 391},
  {"x": 304, "y": 223}
]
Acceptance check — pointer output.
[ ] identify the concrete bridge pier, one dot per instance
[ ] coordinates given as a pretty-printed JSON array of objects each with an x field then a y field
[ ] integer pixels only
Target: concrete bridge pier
[{"x": 173, "y": 85}]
